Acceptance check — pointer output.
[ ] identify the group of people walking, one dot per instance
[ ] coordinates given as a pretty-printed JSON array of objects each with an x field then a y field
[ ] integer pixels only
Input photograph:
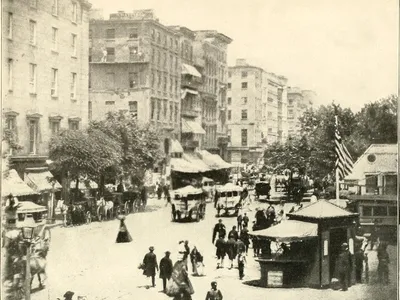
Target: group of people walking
[{"x": 235, "y": 246}]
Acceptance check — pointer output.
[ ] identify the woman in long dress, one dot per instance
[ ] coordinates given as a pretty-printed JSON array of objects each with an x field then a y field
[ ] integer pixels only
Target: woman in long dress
[
  {"x": 180, "y": 278},
  {"x": 123, "y": 233}
]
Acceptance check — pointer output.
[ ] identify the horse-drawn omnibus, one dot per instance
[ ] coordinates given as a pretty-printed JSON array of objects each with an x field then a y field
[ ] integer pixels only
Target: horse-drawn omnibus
[
  {"x": 228, "y": 198},
  {"x": 188, "y": 203}
]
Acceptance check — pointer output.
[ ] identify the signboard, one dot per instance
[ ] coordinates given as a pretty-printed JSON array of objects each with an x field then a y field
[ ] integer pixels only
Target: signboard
[
  {"x": 275, "y": 278},
  {"x": 147, "y": 14}
]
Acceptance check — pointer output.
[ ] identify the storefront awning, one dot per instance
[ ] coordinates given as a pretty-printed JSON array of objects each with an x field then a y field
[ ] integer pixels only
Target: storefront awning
[
  {"x": 84, "y": 184},
  {"x": 214, "y": 161},
  {"x": 192, "y": 127},
  {"x": 289, "y": 231},
  {"x": 13, "y": 184},
  {"x": 29, "y": 207},
  {"x": 176, "y": 147},
  {"x": 183, "y": 166},
  {"x": 184, "y": 92},
  {"x": 41, "y": 182},
  {"x": 196, "y": 161},
  {"x": 190, "y": 70}
]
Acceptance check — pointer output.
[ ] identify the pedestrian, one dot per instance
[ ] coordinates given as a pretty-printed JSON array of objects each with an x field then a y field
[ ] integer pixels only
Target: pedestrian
[
  {"x": 343, "y": 266},
  {"x": 197, "y": 262},
  {"x": 241, "y": 262},
  {"x": 180, "y": 278},
  {"x": 256, "y": 246},
  {"x": 219, "y": 230},
  {"x": 359, "y": 260},
  {"x": 373, "y": 237},
  {"x": 245, "y": 220},
  {"x": 233, "y": 234},
  {"x": 150, "y": 265},
  {"x": 231, "y": 250},
  {"x": 240, "y": 246},
  {"x": 159, "y": 191},
  {"x": 183, "y": 294},
  {"x": 221, "y": 251},
  {"x": 68, "y": 295},
  {"x": 186, "y": 251},
  {"x": 123, "y": 233},
  {"x": 214, "y": 293},
  {"x": 366, "y": 267},
  {"x": 383, "y": 264},
  {"x": 166, "y": 191},
  {"x": 166, "y": 269},
  {"x": 244, "y": 236},
  {"x": 143, "y": 196},
  {"x": 239, "y": 222}
]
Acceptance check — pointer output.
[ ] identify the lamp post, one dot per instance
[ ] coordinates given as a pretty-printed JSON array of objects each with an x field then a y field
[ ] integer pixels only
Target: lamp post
[{"x": 27, "y": 234}]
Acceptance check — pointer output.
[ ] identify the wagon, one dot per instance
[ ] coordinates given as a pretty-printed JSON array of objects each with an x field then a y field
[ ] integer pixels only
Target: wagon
[
  {"x": 228, "y": 198},
  {"x": 188, "y": 203}
]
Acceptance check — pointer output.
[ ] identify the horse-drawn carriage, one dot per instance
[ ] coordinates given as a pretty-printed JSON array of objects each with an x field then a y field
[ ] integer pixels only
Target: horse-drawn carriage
[
  {"x": 228, "y": 198},
  {"x": 262, "y": 189},
  {"x": 188, "y": 203}
]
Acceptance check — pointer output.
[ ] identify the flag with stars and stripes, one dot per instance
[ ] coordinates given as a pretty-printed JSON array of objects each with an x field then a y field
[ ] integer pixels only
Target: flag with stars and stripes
[{"x": 344, "y": 162}]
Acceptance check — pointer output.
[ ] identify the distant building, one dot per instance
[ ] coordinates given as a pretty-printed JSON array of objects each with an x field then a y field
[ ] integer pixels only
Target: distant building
[
  {"x": 46, "y": 41},
  {"x": 210, "y": 57},
  {"x": 256, "y": 111},
  {"x": 299, "y": 101}
]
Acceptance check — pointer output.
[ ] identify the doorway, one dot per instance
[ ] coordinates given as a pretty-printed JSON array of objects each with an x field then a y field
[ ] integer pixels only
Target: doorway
[{"x": 337, "y": 237}]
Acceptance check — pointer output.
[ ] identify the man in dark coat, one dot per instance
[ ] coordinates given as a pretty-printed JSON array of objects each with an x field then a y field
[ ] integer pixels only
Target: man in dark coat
[
  {"x": 359, "y": 258},
  {"x": 344, "y": 266},
  {"x": 143, "y": 196},
  {"x": 219, "y": 229},
  {"x": 150, "y": 265},
  {"x": 166, "y": 267},
  {"x": 221, "y": 251},
  {"x": 245, "y": 220},
  {"x": 383, "y": 264},
  {"x": 233, "y": 234},
  {"x": 244, "y": 236},
  {"x": 239, "y": 222}
]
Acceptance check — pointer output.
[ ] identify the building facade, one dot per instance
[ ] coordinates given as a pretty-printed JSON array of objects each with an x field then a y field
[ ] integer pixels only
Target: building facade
[
  {"x": 135, "y": 66},
  {"x": 210, "y": 57},
  {"x": 256, "y": 115},
  {"x": 299, "y": 101},
  {"x": 46, "y": 41}
]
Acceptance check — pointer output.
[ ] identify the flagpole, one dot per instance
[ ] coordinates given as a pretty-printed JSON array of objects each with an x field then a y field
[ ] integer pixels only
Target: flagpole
[{"x": 337, "y": 169}]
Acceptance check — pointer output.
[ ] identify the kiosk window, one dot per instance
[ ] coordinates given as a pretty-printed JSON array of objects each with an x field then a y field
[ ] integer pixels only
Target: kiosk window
[
  {"x": 229, "y": 194},
  {"x": 367, "y": 211},
  {"x": 21, "y": 217},
  {"x": 380, "y": 211},
  {"x": 235, "y": 194},
  {"x": 392, "y": 211}
]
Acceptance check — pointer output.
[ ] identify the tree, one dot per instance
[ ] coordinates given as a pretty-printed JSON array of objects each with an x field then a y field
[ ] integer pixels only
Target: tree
[
  {"x": 139, "y": 144},
  {"x": 377, "y": 121},
  {"x": 77, "y": 153}
]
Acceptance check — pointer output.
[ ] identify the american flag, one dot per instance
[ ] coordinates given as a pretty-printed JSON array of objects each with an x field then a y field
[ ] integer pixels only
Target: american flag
[{"x": 344, "y": 162}]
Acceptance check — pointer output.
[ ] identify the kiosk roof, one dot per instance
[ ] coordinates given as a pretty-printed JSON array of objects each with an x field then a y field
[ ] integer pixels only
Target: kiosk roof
[{"x": 322, "y": 209}]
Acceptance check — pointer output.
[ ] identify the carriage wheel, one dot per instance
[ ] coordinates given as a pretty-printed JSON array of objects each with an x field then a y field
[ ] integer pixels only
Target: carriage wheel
[
  {"x": 126, "y": 208},
  {"x": 88, "y": 217},
  {"x": 198, "y": 215}
]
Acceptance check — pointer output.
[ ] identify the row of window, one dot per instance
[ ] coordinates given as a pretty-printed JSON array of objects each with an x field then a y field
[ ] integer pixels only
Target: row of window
[
  {"x": 33, "y": 35},
  {"x": 244, "y": 100},
  {"x": 33, "y": 80},
  {"x": 159, "y": 111},
  {"x": 244, "y": 85},
  {"x": 162, "y": 39},
  {"x": 34, "y": 130},
  {"x": 162, "y": 59},
  {"x": 54, "y": 8},
  {"x": 243, "y": 114},
  {"x": 379, "y": 211}
]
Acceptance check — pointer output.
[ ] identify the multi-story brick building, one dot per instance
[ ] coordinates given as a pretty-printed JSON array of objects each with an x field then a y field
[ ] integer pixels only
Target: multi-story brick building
[
  {"x": 135, "y": 65},
  {"x": 298, "y": 102},
  {"x": 210, "y": 57},
  {"x": 192, "y": 133},
  {"x": 256, "y": 101},
  {"x": 46, "y": 41}
]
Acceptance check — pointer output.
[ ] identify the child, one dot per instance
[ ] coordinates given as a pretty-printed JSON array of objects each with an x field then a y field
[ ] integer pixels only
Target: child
[{"x": 241, "y": 262}]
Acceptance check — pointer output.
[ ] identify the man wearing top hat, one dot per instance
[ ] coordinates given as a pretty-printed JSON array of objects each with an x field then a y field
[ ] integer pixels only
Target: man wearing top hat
[
  {"x": 166, "y": 268},
  {"x": 150, "y": 265}
]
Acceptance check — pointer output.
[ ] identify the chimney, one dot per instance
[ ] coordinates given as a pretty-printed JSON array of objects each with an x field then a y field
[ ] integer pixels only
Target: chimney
[
  {"x": 241, "y": 62},
  {"x": 121, "y": 12}
]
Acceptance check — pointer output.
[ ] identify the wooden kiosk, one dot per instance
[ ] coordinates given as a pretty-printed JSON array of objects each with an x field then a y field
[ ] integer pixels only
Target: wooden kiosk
[{"x": 315, "y": 233}]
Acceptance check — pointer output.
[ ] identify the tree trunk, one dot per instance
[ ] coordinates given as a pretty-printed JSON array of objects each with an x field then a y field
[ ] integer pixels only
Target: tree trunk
[
  {"x": 77, "y": 189},
  {"x": 101, "y": 185}
]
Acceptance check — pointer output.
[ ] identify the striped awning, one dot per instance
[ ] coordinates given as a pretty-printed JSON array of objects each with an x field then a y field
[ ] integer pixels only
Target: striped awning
[
  {"x": 176, "y": 147},
  {"x": 193, "y": 159},
  {"x": 42, "y": 181},
  {"x": 190, "y": 70},
  {"x": 183, "y": 166},
  {"x": 13, "y": 184},
  {"x": 192, "y": 127}
]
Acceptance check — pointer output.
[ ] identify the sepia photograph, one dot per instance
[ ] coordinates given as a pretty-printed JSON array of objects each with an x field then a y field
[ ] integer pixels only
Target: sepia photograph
[{"x": 210, "y": 149}]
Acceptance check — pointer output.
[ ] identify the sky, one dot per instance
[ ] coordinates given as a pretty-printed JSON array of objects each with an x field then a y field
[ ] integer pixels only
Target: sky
[{"x": 344, "y": 50}]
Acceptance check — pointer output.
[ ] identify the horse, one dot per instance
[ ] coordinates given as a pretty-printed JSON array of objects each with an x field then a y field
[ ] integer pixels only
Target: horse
[
  {"x": 106, "y": 206},
  {"x": 63, "y": 210}
]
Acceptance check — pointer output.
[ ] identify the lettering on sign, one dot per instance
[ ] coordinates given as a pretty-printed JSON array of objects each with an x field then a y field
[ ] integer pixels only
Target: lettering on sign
[
  {"x": 136, "y": 15},
  {"x": 275, "y": 278}
]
